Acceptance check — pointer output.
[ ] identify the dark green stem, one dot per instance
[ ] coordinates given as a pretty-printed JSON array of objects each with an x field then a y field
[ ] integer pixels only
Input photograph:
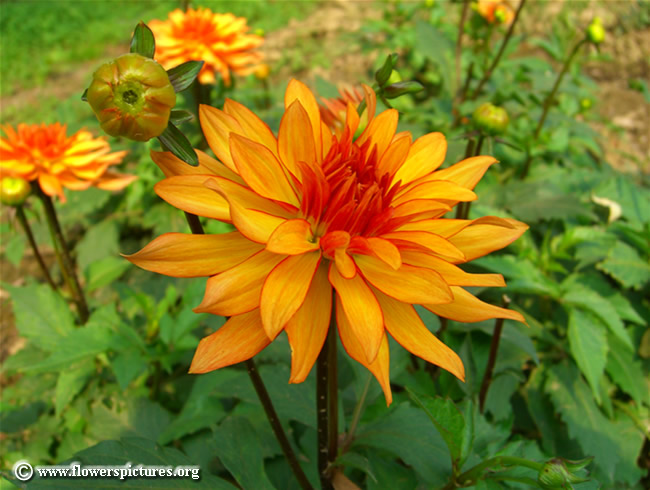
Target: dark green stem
[
  {"x": 263, "y": 394},
  {"x": 459, "y": 43},
  {"x": 494, "y": 351},
  {"x": 356, "y": 415},
  {"x": 471, "y": 476},
  {"x": 549, "y": 101},
  {"x": 20, "y": 214},
  {"x": 332, "y": 395},
  {"x": 502, "y": 48},
  {"x": 67, "y": 265}
]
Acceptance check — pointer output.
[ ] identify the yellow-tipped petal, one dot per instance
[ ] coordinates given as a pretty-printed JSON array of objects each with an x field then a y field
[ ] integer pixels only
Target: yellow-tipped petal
[
  {"x": 295, "y": 138},
  {"x": 187, "y": 192},
  {"x": 297, "y": 90},
  {"x": 217, "y": 127},
  {"x": 254, "y": 128},
  {"x": 307, "y": 329},
  {"x": 395, "y": 155},
  {"x": 380, "y": 132},
  {"x": 172, "y": 165},
  {"x": 380, "y": 366},
  {"x": 362, "y": 311},
  {"x": 468, "y": 308},
  {"x": 408, "y": 284},
  {"x": 406, "y": 327},
  {"x": 285, "y": 289},
  {"x": 427, "y": 154},
  {"x": 293, "y": 237},
  {"x": 238, "y": 340},
  {"x": 479, "y": 239},
  {"x": 466, "y": 173},
  {"x": 182, "y": 255},
  {"x": 436, "y": 189},
  {"x": 238, "y": 290}
]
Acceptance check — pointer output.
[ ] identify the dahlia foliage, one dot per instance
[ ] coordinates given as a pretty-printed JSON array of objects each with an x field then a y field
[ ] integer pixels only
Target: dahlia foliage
[
  {"x": 44, "y": 153},
  {"x": 322, "y": 219},
  {"x": 220, "y": 40}
]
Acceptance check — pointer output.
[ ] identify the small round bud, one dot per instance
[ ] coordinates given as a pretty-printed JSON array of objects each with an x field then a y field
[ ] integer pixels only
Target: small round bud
[
  {"x": 596, "y": 31},
  {"x": 586, "y": 104},
  {"x": 132, "y": 97},
  {"x": 262, "y": 71},
  {"x": 14, "y": 191},
  {"x": 259, "y": 32},
  {"x": 501, "y": 16},
  {"x": 555, "y": 475},
  {"x": 394, "y": 77},
  {"x": 429, "y": 3},
  {"x": 491, "y": 119}
]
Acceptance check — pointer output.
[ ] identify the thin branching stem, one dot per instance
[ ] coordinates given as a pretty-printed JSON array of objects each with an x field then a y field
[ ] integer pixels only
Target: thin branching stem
[
  {"x": 20, "y": 214},
  {"x": 459, "y": 44},
  {"x": 494, "y": 351},
  {"x": 356, "y": 415}
]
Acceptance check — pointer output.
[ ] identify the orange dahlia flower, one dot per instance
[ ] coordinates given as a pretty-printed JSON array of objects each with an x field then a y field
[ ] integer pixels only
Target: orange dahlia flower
[
  {"x": 495, "y": 11},
  {"x": 220, "y": 40},
  {"x": 322, "y": 219},
  {"x": 333, "y": 111},
  {"x": 44, "y": 153}
]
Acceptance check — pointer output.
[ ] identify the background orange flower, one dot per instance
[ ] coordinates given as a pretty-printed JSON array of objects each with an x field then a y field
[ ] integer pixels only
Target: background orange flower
[
  {"x": 220, "y": 40},
  {"x": 44, "y": 153}
]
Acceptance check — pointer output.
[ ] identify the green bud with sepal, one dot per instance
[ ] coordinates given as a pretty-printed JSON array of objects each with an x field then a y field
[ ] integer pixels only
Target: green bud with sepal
[
  {"x": 491, "y": 119},
  {"x": 14, "y": 191},
  {"x": 559, "y": 473},
  {"x": 596, "y": 31}
]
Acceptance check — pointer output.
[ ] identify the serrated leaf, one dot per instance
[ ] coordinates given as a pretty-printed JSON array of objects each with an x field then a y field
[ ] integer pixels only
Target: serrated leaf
[
  {"x": 627, "y": 372},
  {"x": 175, "y": 141},
  {"x": 182, "y": 76},
  {"x": 240, "y": 453},
  {"x": 127, "y": 365},
  {"x": 70, "y": 383},
  {"x": 588, "y": 343},
  {"x": 143, "y": 42},
  {"x": 626, "y": 266},
  {"x": 99, "y": 241},
  {"x": 104, "y": 272},
  {"x": 634, "y": 201},
  {"x": 447, "y": 419},
  {"x": 355, "y": 460}
]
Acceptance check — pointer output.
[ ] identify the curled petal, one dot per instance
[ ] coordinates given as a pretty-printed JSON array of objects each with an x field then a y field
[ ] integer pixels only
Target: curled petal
[
  {"x": 468, "y": 308},
  {"x": 293, "y": 237}
]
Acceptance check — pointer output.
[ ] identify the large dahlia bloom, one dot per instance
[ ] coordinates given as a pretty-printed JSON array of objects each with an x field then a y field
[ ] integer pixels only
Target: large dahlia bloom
[
  {"x": 44, "y": 153},
  {"x": 323, "y": 220},
  {"x": 220, "y": 40}
]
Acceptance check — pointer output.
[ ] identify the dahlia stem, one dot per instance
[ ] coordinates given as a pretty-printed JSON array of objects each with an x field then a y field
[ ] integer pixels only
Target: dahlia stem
[
  {"x": 20, "y": 213},
  {"x": 332, "y": 386},
  {"x": 549, "y": 101},
  {"x": 263, "y": 394},
  {"x": 67, "y": 266},
  {"x": 494, "y": 350},
  {"x": 459, "y": 44},
  {"x": 462, "y": 212},
  {"x": 356, "y": 415},
  {"x": 502, "y": 48}
]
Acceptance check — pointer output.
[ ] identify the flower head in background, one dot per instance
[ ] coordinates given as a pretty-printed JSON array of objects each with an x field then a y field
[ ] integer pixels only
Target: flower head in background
[
  {"x": 45, "y": 153},
  {"x": 496, "y": 11},
  {"x": 324, "y": 220},
  {"x": 221, "y": 40},
  {"x": 333, "y": 110}
]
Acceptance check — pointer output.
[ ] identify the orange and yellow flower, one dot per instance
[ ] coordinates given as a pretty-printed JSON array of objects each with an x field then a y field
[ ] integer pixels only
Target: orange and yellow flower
[
  {"x": 495, "y": 11},
  {"x": 220, "y": 40},
  {"x": 333, "y": 110},
  {"x": 323, "y": 219},
  {"x": 45, "y": 153}
]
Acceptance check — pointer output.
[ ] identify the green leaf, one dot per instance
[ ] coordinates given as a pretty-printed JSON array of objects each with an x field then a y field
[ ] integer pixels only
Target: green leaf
[
  {"x": 14, "y": 249},
  {"x": 104, "y": 272},
  {"x": 127, "y": 365},
  {"x": 634, "y": 201},
  {"x": 84, "y": 96},
  {"x": 137, "y": 417},
  {"x": 588, "y": 343},
  {"x": 175, "y": 141},
  {"x": 626, "y": 266},
  {"x": 437, "y": 47},
  {"x": 521, "y": 275},
  {"x": 70, "y": 383},
  {"x": 627, "y": 371},
  {"x": 42, "y": 315},
  {"x": 447, "y": 419},
  {"x": 240, "y": 453},
  {"x": 182, "y": 76},
  {"x": 355, "y": 460},
  {"x": 143, "y": 42},
  {"x": 99, "y": 241},
  {"x": 180, "y": 116},
  {"x": 502, "y": 387}
]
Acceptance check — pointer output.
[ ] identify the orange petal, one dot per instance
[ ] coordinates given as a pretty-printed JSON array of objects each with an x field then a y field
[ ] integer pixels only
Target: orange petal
[
  {"x": 479, "y": 239},
  {"x": 307, "y": 329},
  {"x": 371, "y": 101},
  {"x": 380, "y": 132},
  {"x": 453, "y": 275},
  {"x": 295, "y": 138},
  {"x": 238, "y": 340},
  {"x": 362, "y": 311},
  {"x": 182, "y": 255},
  {"x": 386, "y": 251},
  {"x": 261, "y": 170},
  {"x": 112, "y": 181},
  {"x": 380, "y": 366},
  {"x": 448, "y": 227},
  {"x": 51, "y": 186},
  {"x": 344, "y": 263},
  {"x": 171, "y": 165},
  {"x": 395, "y": 155},
  {"x": 217, "y": 127},
  {"x": 406, "y": 327},
  {"x": 436, "y": 189},
  {"x": 408, "y": 284},
  {"x": 285, "y": 289},
  {"x": 299, "y": 91},
  {"x": 421, "y": 209},
  {"x": 293, "y": 237},
  {"x": 238, "y": 290},
  {"x": 466, "y": 173},
  {"x": 430, "y": 241},
  {"x": 468, "y": 308},
  {"x": 254, "y": 128},
  {"x": 187, "y": 193},
  {"x": 427, "y": 154}
]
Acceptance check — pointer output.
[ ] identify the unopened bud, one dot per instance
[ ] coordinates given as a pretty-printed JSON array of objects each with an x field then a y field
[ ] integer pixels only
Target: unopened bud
[
  {"x": 596, "y": 31},
  {"x": 558, "y": 473},
  {"x": 259, "y": 32},
  {"x": 262, "y": 71},
  {"x": 586, "y": 104},
  {"x": 402, "y": 88},
  {"x": 14, "y": 191},
  {"x": 429, "y": 3},
  {"x": 383, "y": 74},
  {"x": 132, "y": 97},
  {"x": 491, "y": 119}
]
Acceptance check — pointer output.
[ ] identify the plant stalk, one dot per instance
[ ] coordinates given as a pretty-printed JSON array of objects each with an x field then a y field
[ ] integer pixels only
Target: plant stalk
[
  {"x": 356, "y": 415},
  {"x": 462, "y": 210},
  {"x": 459, "y": 44},
  {"x": 20, "y": 213},
  {"x": 494, "y": 350},
  {"x": 67, "y": 265}
]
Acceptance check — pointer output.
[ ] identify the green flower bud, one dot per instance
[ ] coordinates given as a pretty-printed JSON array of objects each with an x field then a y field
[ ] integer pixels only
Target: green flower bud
[
  {"x": 397, "y": 89},
  {"x": 501, "y": 16},
  {"x": 556, "y": 473},
  {"x": 429, "y": 3},
  {"x": 491, "y": 119},
  {"x": 14, "y": 191},
  {"x": 586, "y": 104},
  {"x": 383, "y": 74},
  {"x": 394, "y": 77},
  {"x": 132, "y": 97},
  {"x": 596, "y": 31}
]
